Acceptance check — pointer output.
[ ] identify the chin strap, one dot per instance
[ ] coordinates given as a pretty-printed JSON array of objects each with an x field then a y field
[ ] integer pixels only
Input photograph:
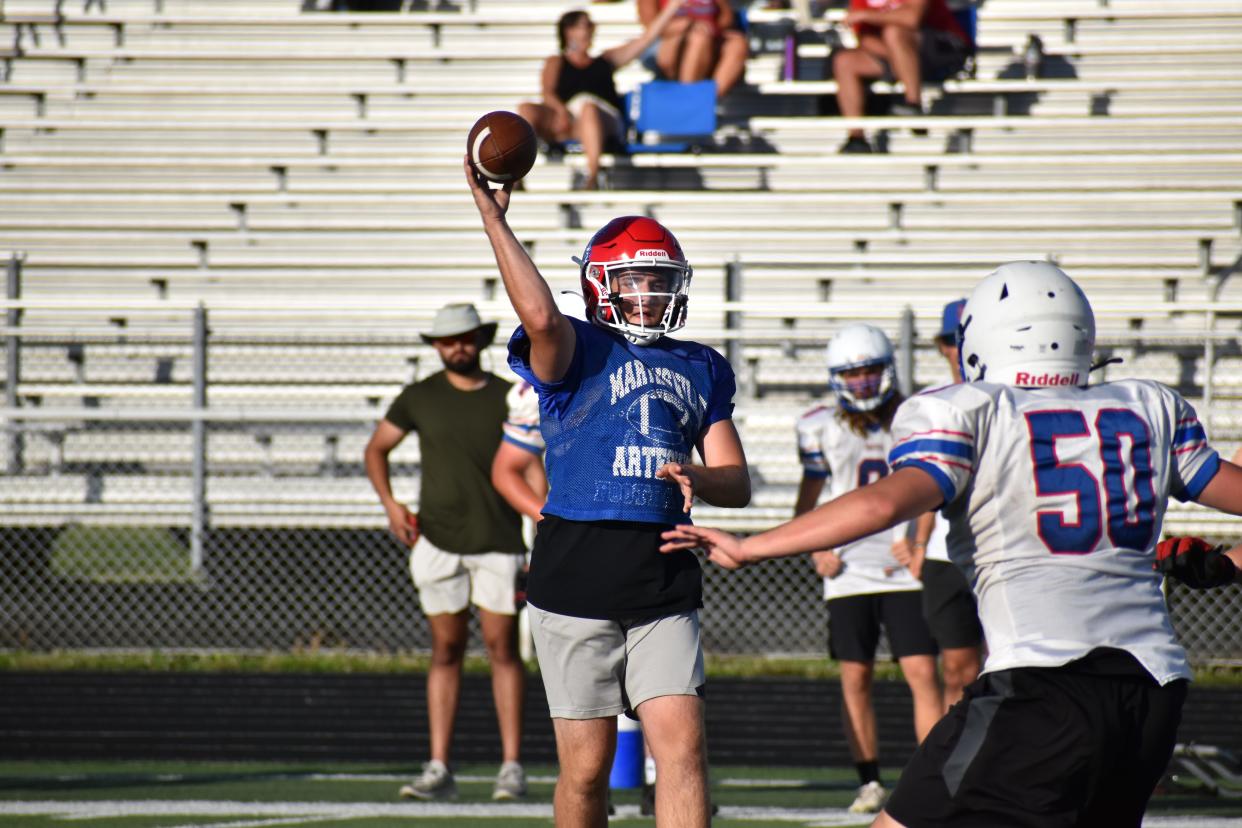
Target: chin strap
[{"x": 1110, "y": 361}]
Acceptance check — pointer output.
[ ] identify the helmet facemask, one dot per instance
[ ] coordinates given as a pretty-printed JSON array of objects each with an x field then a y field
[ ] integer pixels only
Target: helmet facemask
[
  {"x": 642, "y": 299},
  {"x": 866, "y": 391}
]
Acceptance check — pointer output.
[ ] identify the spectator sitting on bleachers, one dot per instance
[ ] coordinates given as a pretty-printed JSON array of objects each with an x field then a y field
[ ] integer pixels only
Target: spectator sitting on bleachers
[
  {"x": 898, "y": 40},
  {"x": 704, "y": 41},
  {"x": 580, "y": 100}
]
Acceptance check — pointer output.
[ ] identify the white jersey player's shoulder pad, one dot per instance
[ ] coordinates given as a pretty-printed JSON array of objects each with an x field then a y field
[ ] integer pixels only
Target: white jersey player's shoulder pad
[
  {"x": 816, "y": 415},
  {"x": 932, "y": 389},
  {"x": 1134, "y": 382},
  {"x": 964, "y": 395},
  {"x": 523, "y": 403}
]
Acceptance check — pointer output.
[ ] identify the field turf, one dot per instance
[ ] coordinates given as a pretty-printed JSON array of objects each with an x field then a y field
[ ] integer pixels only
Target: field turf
[{"x": 258, "y": 795}]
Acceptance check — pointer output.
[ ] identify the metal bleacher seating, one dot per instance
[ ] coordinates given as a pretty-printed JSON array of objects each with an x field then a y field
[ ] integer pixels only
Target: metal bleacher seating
[{"x": 298, "y": 173}]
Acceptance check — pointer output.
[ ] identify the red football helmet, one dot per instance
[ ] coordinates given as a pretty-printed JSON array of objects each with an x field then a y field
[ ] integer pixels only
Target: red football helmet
[{"x": 635, "y": 279}]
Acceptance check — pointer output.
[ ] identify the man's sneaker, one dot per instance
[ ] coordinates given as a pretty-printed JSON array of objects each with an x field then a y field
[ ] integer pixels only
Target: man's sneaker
[
  {"x": 905, "y": 109},
  {"x": 435, "y": 782},
  {"x": 510, "y": 782},
  {"x": 855, "y": 144},
  {"x": 870, "y": 799}
]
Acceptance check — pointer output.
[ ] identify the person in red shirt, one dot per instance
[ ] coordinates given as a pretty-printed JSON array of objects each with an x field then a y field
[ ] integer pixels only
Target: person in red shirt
[
  {"x": 898, "y": 40},
  {"x": 703, "y": 41}
]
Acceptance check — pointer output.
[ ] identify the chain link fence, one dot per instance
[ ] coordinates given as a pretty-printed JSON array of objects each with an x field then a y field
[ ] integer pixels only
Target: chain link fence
[{"x": 193, "y": 489}]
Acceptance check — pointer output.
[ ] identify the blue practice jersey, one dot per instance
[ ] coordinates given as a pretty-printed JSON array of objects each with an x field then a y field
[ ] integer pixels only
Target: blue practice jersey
[{"x": 620, "y": 413}]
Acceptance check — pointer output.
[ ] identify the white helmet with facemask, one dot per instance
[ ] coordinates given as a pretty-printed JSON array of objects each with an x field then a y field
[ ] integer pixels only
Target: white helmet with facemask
[
  {"x": 1027, "y": 324},
  {"x": 861, "y": 346}
]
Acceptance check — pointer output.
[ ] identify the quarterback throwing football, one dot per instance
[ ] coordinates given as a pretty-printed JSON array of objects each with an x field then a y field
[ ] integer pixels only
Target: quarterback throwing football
[{"x": 622, "y": 408}]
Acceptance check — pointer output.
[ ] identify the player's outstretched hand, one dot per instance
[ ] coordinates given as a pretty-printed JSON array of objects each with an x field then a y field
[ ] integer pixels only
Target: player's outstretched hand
[
  {"x": 1194, "y": 562},
  {"x": 683, "y": 476},
  {"x": 492, "y": 204},
  {"x": 722, "y": 548}
]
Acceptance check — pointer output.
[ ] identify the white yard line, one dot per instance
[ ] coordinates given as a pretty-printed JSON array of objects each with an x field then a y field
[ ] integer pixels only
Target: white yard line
[{"x": 265, "y": 814}]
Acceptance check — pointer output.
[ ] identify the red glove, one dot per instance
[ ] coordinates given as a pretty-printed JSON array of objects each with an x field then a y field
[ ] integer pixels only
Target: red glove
[{"x": 1194, "y": 562}]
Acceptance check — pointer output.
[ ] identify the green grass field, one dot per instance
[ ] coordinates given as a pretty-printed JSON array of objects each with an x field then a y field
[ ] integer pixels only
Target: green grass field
[{"x": 257, "y": 795}]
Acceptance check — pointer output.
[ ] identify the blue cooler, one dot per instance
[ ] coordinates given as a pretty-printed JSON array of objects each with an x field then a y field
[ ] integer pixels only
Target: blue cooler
[{"x": 627, "y": 765}]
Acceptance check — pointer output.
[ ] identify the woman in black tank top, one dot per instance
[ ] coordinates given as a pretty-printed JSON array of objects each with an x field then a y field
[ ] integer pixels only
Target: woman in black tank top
[{"x": 580, "y": 100}]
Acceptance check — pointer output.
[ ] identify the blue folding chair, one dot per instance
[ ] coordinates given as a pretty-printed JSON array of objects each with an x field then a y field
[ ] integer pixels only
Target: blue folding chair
[{"x": 667, "y": 116}]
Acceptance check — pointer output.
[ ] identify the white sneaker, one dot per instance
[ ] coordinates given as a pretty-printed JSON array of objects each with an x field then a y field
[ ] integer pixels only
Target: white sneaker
[
  {"x": 435, "y": 782},
  {"x": 870, "y": 799},
  {"x": 510, "y": 782}
]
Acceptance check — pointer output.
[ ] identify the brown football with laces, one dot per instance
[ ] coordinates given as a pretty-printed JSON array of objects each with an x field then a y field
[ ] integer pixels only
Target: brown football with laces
[{"x": 502, "y": 146}]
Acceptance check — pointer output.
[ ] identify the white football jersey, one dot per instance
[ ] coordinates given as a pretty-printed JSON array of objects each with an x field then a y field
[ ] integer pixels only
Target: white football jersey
[
  {"x": 938, "y": 541},
  {"x": 830, "y": 450},
  {"x": 1055, "y": 499},
  {"x": 522, "y": 423}
]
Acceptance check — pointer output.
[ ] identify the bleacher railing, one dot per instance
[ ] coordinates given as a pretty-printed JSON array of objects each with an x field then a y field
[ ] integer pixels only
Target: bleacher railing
[{"x": 194, "y": 479}]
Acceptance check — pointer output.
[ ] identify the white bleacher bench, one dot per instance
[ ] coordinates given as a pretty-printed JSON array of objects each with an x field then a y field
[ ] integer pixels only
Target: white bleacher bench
[
  {"x": 1098, "y": 93},
  {"x": 822, "y": 161}
]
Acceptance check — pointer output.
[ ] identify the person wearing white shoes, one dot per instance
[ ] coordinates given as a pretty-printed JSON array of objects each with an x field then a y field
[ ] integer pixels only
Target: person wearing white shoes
[
  {"x": 465, "y": 542},
  {"x": 870, "y": 798},
  {"x": 843, "y": 446}
]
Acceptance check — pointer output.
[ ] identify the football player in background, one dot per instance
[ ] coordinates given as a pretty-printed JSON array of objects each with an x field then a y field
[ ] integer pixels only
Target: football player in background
[
  {"x": 1055, "y": 491},
  {"x": 623, "y": 408},
  {"x": 517, "y": 469},
  {"x": 843, "y": 447},
  {"x": 948, "y": 604}
]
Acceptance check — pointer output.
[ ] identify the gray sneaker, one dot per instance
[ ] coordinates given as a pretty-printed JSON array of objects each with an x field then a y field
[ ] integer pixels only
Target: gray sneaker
[
  {"x": 510, "y": 782},
  {"x": 435, "y": 782},
  {"x": 871, "y": 798}
]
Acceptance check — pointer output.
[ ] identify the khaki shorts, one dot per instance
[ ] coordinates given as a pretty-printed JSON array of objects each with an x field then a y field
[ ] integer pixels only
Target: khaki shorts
[
  {"x": 448, "y": 582},
  {"x": 593, "y": 669},
  {"x": 612, "y": 118}
]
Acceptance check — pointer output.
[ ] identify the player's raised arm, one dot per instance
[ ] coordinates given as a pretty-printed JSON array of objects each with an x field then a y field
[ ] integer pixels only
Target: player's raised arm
[
  {"x": 903, "y": 495},
  {"x": 551, "y": 335}
]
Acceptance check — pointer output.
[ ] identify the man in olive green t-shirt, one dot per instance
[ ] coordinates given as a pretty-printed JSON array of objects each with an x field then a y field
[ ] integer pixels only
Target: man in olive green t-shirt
[{"x": 466, "y": 540}]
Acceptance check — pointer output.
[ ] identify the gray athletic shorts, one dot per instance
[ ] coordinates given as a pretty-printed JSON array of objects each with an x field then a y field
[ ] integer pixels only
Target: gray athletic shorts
[{"x": 595, "y": 668}]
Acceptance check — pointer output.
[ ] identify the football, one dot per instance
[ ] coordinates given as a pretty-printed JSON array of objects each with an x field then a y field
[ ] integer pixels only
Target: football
[{"x": 502, "y": 146}]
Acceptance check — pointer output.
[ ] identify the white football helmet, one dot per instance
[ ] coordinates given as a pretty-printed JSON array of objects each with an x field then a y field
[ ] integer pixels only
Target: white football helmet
[
  {"x": 861, "y": 346},
  {"x": 1027, "y": 324}
]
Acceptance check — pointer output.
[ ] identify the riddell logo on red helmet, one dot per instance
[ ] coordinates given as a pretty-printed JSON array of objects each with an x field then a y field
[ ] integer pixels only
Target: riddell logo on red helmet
[
  {"x": 1044, "y": 380},
  {"x": 651, "y": 254}
]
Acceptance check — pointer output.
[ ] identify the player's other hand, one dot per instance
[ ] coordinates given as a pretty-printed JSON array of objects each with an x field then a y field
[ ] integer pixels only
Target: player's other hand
[
  {"x": 909, "y": 556},
  {"x": 683, "y": 476},
  {"x": 828, "y": 564},
  {"x": 492, "y": 204},
  {"x": 403, "y": 524},
  {"x": 1194, "y": 562},
  {"x": 722, "y": 549}
]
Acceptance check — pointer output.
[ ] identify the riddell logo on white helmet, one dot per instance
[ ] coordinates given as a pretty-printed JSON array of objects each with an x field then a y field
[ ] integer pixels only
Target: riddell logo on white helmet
[
  {"x": 651, "y": 254},
  {"x": 1026, "y": 380}
]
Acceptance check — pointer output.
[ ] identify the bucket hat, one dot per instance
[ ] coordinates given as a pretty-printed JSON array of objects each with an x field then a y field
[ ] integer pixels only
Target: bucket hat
[{"x": 459, "y": 318}]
